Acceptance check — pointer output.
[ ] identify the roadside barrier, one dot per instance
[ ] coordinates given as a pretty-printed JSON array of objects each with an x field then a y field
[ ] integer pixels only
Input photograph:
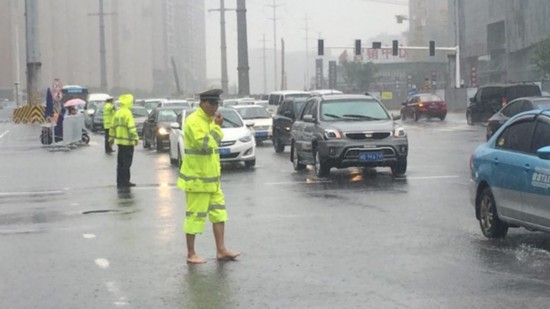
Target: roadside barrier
[
  {"x": 73, "y": 131},
  {"x": 29, "y": 114}
]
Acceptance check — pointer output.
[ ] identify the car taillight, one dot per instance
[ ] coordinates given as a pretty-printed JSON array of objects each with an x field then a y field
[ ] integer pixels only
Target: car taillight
[{"x": 504, "y": 101}]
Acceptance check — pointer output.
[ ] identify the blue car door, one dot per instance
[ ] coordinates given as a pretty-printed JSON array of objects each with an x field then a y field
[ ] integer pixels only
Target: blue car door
[
  {"x": 508, "y": 164},
  {"x": 536, "y": 197}
]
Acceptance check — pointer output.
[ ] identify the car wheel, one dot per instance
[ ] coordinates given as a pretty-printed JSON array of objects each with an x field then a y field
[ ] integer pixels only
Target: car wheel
[
  {"x": 322, "y": 169},
  {"x": 490, "y": 224},
  {"x": 296, "y": 160},
  {"x": 469, "y": 118},
  {"x": 85, "y": 138},
  {"x": 399, "y": 168},
  {"x": 250, "y": 163},
  {"x": 416, "y": 116},
  {"x": 279, "y": 147},
  {"x": 442, "y": 117}
]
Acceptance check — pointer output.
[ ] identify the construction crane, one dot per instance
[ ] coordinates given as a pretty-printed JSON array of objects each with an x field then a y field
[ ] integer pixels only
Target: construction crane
[{"x": 393, "y": 2}]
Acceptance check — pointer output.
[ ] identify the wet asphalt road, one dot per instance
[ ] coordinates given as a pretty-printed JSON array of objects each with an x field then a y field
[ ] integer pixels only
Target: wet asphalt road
[{"x": 352, "y": 240}]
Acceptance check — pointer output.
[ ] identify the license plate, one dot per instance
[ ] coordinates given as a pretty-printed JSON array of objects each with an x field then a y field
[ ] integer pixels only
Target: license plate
[
  {"x": 224, "y": 151},
  {"x": 260, "y": 134},
  {"x": 371, "y": 156},
  {"x": 433, "y": 105}
]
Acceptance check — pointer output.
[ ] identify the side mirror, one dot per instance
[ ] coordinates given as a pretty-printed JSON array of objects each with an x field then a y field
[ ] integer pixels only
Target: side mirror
[
  {"x": 249, "y": 123},
  {"x": 288, "y": 114},
  {"x": 175, "y": 126},
  {"x": 308, "y": 118},
  {"x": 395, "y": 117},
  {"x": 544, "y": 153}
]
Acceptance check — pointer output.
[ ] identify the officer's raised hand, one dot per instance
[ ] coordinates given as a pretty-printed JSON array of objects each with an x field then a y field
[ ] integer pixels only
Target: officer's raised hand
[{"x": 218, "y": 118}]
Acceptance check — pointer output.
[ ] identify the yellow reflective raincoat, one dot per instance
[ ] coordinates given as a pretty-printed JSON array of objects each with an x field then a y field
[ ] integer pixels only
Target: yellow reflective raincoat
[
  {"x": 108, "y": 114},
  {"x": 123, "y": 130}
]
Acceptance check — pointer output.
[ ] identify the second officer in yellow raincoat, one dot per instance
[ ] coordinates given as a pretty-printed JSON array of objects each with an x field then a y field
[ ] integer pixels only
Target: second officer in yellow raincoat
[{"x": 200, "y": 176}]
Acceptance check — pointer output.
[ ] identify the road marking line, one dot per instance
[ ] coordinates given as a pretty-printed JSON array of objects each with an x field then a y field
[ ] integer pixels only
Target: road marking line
[
  {"x": 88, "y": 236},
  {"x": 2, "y": 135},
  {"x": 428, "y": 177},
  {"x": 102, "y": 263},
  {"x": 8, "y": 194}
]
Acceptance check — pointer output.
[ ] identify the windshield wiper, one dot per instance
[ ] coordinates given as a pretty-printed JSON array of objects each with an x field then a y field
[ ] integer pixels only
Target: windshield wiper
[
  {"x": 360, "y": 117},
  {"x": 234, "y": 124},
  {"x": 333, "y": 116}
]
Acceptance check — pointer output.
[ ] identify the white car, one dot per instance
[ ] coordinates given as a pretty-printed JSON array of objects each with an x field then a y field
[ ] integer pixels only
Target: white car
[
  {"x": 237, "y": 145},
  {"x": 261, "y": 118}
]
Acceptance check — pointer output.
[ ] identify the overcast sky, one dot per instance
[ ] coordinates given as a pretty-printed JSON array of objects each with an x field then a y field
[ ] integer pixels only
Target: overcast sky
[{"x": 338, "y": 22}]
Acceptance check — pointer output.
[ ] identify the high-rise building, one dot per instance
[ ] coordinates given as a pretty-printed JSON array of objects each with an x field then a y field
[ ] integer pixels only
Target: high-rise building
[{"x": 142, "y": 41}]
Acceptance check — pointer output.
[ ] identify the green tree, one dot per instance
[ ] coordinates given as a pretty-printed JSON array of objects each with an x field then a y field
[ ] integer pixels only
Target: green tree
[
  {"x": 541, "y": 56},
  {"x": 359, "y": 75}
]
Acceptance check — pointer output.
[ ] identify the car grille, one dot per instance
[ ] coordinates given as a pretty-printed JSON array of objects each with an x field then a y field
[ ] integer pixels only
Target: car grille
[
  {"x": 227, "y": 143},
  {"x": 353, "y": 153},
  {"x": 367, "y": 135}
]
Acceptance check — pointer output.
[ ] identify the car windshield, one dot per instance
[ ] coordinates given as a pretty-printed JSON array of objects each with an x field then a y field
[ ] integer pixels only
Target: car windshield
[
  {"x": 297, "y": 95},
  {"x": 139, "y": 111},
  {"x": 151, "y": 104},
  {"x": 178, "y": 104},
  {"x": 253, "y": 112},
  {"x": 231, "y": 119},
  {"x": 167, "y": 115},
  {"x": 352, "y": 110},
  {"x": 298, "y": 106},
  {"x": 429, "y": 98}
]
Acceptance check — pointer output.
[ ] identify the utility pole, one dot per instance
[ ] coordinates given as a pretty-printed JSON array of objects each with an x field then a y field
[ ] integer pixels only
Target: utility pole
[
  {"x": 242, "y": 37},
  {"x": 102, "y": 53},
  {"x": 34, "y": 65},
  {"x": 306, "y": 76},
  {"x": 264, "y": 58},
  {"x": 274, "y": 6},
  {"x": 17, "y": 65},
  {"x": 283, "y": 74},
  {"x": 223, "y": 47}
]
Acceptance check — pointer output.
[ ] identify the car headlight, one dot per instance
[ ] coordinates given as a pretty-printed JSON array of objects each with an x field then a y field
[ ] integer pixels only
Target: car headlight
[
  {"x": 332, "y": 134},
  {"x": 399, "y": 132},
  {"x": 245, "y": 139},
  {"x": 163, "y": 131}
]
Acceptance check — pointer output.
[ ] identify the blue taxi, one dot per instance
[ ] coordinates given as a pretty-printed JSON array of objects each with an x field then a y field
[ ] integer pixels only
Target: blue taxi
[{"x": 510, "y": 176}]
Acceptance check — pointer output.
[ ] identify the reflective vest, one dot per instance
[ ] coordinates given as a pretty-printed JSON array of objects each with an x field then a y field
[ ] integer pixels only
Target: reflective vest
[
  {"x": 201, "y": 169},
  {"x": 123, "y": 130},
  {"x": 108, "y": 114}
]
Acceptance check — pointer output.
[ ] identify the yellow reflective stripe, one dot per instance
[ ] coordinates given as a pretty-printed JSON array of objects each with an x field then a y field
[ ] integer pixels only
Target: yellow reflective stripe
[
  {"x": 189, "y": 213},
  {"x": 216, "y": 136},
  {"x": 216, "y": 207},
  {"x": 204, "y": 179},
  {"x": 125, "y": 138},
  {"x": 205, "y": 142},
  {"x": 201, "y": 152},
  {"x": 133, "y": 127}
]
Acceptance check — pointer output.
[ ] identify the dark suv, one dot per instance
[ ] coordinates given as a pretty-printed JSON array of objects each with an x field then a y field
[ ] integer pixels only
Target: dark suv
[
  {"x": 347, "y": 130},
  {"x": 491, "y": 98},
  {"x": 283, "y": 120}
]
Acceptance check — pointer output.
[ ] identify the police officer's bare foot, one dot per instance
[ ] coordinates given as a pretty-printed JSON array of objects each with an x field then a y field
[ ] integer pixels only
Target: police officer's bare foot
[
  {"x": 227, "y": 255},
  {"x": 195, "y": 259}
]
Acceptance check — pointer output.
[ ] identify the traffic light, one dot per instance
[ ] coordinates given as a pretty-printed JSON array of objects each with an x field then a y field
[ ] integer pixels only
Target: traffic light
[
  {"x": 320, "y": 47},
  {"x": 395, "y": 47},
  {"x": 376, "y": 45},
  {"x": 357, "y": 47},
  {"x": 432, "y": 48}
]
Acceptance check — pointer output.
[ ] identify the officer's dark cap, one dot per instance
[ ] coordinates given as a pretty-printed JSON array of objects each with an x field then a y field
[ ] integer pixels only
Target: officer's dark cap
[{"x": 212, "y": 95}]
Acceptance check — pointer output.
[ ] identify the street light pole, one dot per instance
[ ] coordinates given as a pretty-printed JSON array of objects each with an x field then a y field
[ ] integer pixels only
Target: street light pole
[{"x": 457, "y": 35}]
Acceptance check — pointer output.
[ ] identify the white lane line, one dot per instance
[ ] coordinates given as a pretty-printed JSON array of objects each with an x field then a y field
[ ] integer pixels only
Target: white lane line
[
  {"x": 3, "y": 134},
  {"x": 4, "y": 194},
  {"x": 102, "y": 263},
  {"x": 429, "y": 177},
  {"x": 296, "y": 182},
  {"x": 113, "y": 288},
  {"x": 88, "y": 236}
]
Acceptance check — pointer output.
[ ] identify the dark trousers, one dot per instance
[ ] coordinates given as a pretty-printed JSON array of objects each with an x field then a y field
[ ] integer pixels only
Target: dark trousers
[
  {"x": 108, "y": 147},
  {"x": 124, "y": 162}
]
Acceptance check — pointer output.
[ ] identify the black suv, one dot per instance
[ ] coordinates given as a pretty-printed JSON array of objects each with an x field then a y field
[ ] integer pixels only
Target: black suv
[
  {"x": 490, "y": 99},
  {"x": 283, "y": 120},
  {"x": 347, "y": 130}
]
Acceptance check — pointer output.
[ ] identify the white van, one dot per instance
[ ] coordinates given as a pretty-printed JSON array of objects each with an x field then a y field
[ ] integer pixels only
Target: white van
[{"x": 275, "y": 98}]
